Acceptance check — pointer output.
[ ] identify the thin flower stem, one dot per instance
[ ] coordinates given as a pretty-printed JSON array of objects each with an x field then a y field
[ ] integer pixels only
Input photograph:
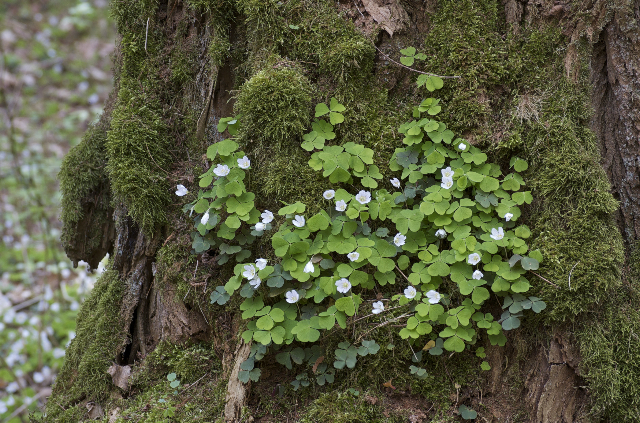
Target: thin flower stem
[
  {"x": 405, "y": 276},
  {"x": 544, "y": 279}
]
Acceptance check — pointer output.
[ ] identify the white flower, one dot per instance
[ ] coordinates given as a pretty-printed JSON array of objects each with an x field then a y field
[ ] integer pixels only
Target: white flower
[
  {"x": 329, "y": 194},
  {"x": 434, "y": 297},
  {"x": 462, "y": 146},
  {"x": 410, "y": 292},
  {"x": 447, "y": 173},
  {"x": 508, "y": 216},
  {"x": 267, "y": 216},
  {"x": 399, "y": 239},
  {"x": 477, "y": 275},
  {"x": 292, "y": 296},
  {"x": 497, "y": 234},
  {"x": 473, "y": 259},
  {"x": 244, "y": 163},
  {"x": 441, "y": 233},
  {"x": 205, "y": 218},
  {"x": 308, "y": 268},
  {"x": 181, "y": 191},
  {"x": 395, "y": 182},
  {"x": 378, "y": 307},
  {"x": 221, "y": 170},
  {"x": 353, "y": 256},
  {"x": 249, "y": 271},
  {"x": 261, "y": 263},
  {"x": 298, "y": 221},
  {"x": 260, "y": 226},
  {"x": 446, "y": 183},
  {"x": 255, "y": 282},
  {"x": 341, "y": 205},
  {"x": 363, "y": 197},
  {"x": 343, "y": 285}
]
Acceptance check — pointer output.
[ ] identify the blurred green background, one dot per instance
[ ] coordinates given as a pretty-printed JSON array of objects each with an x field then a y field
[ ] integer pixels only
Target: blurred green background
[{"x": 54, "y": 78}]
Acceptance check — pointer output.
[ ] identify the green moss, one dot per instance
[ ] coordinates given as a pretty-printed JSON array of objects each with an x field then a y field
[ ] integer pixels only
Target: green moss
[
  {"x": 137, "y": 149},
  {"x": 85, "y": 185},
  {"x": 130, "y": 13},
  {"x": 275, "y": 105},
  {"x": 344, "y": 407},
  {"x": 100, "y": 334}
]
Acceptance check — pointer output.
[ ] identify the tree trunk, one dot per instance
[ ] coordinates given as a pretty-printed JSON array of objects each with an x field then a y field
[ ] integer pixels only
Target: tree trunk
[{"x": 549, "y": 82}]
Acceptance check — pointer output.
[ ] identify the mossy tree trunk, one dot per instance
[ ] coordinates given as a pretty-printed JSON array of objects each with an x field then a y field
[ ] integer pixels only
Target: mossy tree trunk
[{"x": 551, "y": 82}]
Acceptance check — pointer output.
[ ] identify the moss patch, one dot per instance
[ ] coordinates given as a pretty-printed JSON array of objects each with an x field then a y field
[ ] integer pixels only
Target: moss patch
[{"x": 100, "y": 334}]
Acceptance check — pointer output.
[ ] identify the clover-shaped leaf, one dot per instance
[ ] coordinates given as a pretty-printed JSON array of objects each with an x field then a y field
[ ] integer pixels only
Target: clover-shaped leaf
[
  {"x": 333, "y": 109},
  {"x": 467, "y": 413},
  {"x": 418, "y": 371},
  {"x": 368, "y": 347},
  {"x": 409, "y": 56},
  {"x": 232, "y": 124},
  {"x": 430, "y": 82}
]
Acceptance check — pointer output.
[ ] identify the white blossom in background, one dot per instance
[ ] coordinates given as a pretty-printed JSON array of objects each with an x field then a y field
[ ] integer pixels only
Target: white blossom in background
[
  {"x": 353, "y": 256},
  {"x": 399, "y": 239},
  {"x": 329, "y": 194},
  {"x": 205, "y": 218},
  {"x": 298, "y": 221},
  {"x": 261, "y": 263},
  {"x": 267, "y": 216},
  {"x": 308, "y": 268},
  {"x": 410, "y": 292},
  {"x": 441, "y": 233},
  {"x": 497, "y": 234},
  {"x": 508, "y": 216},
  {"x": 249, "y": 271},
  {"x": 244, "y": 163},
  {"x": 292, "y": 296},
  {"x": 473, "y": 259},
  {"x": 447, "y": 172},
  {"x": 260, "y": 226},
  {"x": 255, "y": 282},
  {"x": 343, "y": 285},
  {"x": 477, "y": 275},
  {"x": 181, "y": 191},
  {"x": 363, "y": 197},
  {"x": 378, "y": 307},
  {"x": 221, "y": 170},
  {"x": 341, "y": 205},
  {"x": 434, "y": 297},
  {"x": 395, "y": 182},
  {"x": 446, "y": 183},
  {"x": 462, "y": 146}
]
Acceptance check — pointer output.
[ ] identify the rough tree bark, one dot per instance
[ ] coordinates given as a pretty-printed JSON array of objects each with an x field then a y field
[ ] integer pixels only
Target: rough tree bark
[{"x": 540, "y": 376}]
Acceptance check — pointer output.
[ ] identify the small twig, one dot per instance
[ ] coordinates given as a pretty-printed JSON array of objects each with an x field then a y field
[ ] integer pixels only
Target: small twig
[
  {"x": 414, "y": 353},
  {"x": 146, "y": 36},
  {"x": 405, "y": 276},
  {"x": 574, "y": 266},
  {"x": 369, "y": 315},
  {"x": 381, "y": 325},
  {"x": 205, "y": 317},
  {"x": 544, "y": 279},
  {"x": 400, "y": 64}
]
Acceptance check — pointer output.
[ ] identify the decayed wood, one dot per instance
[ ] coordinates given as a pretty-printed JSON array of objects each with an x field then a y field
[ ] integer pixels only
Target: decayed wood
[{"x": 236, "y": 391}]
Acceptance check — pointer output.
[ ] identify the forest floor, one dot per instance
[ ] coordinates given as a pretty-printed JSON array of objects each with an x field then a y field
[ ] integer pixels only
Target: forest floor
[{"x": 54, "y": 77}]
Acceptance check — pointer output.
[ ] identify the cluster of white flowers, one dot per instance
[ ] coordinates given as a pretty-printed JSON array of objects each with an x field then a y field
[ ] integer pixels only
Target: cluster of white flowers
[
  {"x": 446, "y": 183},
  {"x": 251, "y": 273},
  {"x": 267, "y": 217}
]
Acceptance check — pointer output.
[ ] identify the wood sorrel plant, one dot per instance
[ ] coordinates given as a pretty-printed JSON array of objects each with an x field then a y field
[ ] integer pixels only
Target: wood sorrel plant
[{"x": 451, "y": 216}]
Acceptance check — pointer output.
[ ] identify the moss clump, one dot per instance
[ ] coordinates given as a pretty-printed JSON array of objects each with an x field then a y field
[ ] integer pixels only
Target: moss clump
[
  {"x": 348, "y": 58},
  {"x": 275, "y": 105},
  {"x": 344, "y": 407},
  {"x": 100, "y": 334},
  {"x": 127, "y": 13},
  {"x": 137, "y": 149},
  {"x": 85, "y": 191}
]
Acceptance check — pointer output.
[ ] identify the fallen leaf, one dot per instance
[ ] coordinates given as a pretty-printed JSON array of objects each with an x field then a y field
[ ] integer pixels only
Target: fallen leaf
[
  {"x": 120, "y": 376},
  {"x": 388, "y": 384},
  {"x": 392, "y": 16},
  {"x": 429, "y": 345},
  {"x": 317, "y": 363}
]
